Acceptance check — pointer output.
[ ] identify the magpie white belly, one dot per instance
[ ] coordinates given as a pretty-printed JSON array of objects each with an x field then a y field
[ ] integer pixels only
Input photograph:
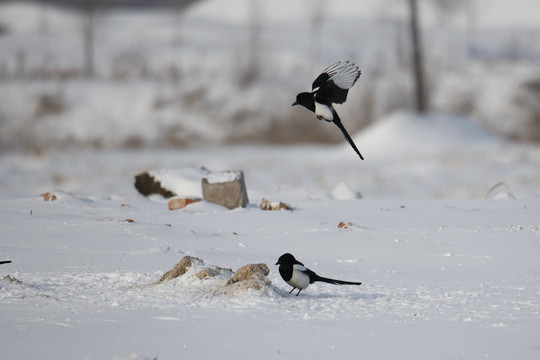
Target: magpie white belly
[
  {"x": 299, "y": 280},
  {"x": 323, "y": 111}
]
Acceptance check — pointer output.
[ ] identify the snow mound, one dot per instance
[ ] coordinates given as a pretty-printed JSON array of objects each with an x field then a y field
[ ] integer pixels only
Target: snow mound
[
  {"x": 182, "y": 182},
  {"x": 410, "y": 134},
  {"x": 342, "y": 191},
  {"x": 224, "y": 176}
]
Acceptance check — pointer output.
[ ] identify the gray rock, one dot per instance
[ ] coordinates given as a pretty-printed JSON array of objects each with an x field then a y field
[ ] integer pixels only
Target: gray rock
[{"x": 227, "y": 189}]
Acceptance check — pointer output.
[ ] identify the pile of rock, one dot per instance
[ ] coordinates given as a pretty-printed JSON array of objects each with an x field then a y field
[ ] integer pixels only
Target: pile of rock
[{"x": 250, "y": 276}]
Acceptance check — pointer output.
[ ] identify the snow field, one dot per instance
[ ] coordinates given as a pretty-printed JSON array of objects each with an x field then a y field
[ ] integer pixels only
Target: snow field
[{"x": 462, "y": 275}]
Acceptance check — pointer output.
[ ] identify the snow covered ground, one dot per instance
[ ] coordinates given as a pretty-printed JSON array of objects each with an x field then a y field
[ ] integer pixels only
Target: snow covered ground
[
  {"x": 441, "y": 222},
  {"x": 449, "y": 268}
]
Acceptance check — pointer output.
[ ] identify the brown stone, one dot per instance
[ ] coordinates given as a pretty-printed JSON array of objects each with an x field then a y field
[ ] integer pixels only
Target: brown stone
[
  {"x": 180, "y": 203},
  {"x": 180, "y": 268},
  {"x": 48, "y": 196},
  {"x": 251, "y": 276}
]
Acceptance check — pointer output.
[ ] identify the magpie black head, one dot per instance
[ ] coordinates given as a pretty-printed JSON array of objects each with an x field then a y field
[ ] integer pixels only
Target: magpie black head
[
  {"x": 305, "y": 99},
  {"x": 287, "y": 259}
]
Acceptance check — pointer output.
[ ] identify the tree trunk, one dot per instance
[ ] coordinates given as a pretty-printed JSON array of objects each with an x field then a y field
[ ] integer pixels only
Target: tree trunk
[{"x": 417, "y": 58}]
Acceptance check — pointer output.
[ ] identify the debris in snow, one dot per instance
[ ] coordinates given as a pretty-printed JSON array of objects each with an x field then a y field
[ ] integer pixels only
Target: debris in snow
[
  {"x": 251, "y": 276},
  {"x": 500, "y": 191},
  {"x": 48, "y": 196},
  {"x": 342, "y": 191},
  {"x": 350, "y": 226},
  {"x": 273, "y": 205},
  {"x": 180, "y": 203},
  {"x": 168, "y": 183},
  {"x": 227, "y": 188},
  {"x": 147, "y": 185},
  {"x": 11, "y": 279}
]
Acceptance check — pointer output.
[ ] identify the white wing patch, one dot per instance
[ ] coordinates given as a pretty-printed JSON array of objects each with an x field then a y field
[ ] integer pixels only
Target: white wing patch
[
  {"x": 300, "y": 279},
  {"x": 343, "y": 73}
]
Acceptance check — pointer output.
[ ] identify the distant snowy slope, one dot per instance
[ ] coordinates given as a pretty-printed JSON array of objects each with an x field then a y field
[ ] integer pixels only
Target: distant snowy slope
[{"x": 408, "y": 134}]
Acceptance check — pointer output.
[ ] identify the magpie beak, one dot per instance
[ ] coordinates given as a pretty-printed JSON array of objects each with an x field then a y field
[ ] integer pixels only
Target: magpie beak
[
  {"x": 331, "y": 87},
  {"x": 294, "y": 273}
]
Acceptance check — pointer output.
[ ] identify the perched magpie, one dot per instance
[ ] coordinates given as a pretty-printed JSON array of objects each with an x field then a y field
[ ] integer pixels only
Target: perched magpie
[
  {"x": 331, "y": 87},
  {"x": 299, "y": 277}
]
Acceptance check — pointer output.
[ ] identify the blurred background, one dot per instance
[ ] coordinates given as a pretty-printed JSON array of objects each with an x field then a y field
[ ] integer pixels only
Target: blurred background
[{"x": 167, "y": 74}]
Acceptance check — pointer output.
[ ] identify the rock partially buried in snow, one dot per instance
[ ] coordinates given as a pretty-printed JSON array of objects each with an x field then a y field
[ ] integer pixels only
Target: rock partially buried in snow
[
  {"x": 500, "y": 191},
  {"x": 147, "y": 185},
  {"x": 188, "y": 262},
  {"x": 274, "y": 205},
  {"x": 180, "y": 268},
  {"x": 226, "y": 188},
  {"x": 48, "y": 196},
  {"x": 184, "y": 183},
  {"x": 251, "y": 276},
  {"x": 342, "y": 191},
  {"x": 11, "y": 279},
  {"x": 208, "y": 273}
]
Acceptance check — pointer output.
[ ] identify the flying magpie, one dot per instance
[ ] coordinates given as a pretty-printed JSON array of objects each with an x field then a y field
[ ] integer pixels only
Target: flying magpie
[
  {"x": 331, "y": 87},
  {"x": 299, "y": 277}
]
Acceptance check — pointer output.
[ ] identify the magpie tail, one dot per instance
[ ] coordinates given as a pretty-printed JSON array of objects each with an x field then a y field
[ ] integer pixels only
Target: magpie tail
[
  {"x": 335, "y": 282},
  {"x": 337, "y": 121}
]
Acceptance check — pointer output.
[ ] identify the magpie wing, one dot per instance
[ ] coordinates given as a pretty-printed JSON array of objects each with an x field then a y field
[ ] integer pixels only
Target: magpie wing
[
  {"x": 321, "y": 79},
  {"x": 329, "y": 92},
  {"x": 336, "y": 80},
  {"x": 308, "y": 272}
]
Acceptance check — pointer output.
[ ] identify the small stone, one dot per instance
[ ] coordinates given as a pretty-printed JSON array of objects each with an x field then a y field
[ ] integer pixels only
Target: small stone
[
  {"x": 273, "y": 205},
  {"x": 48, "y": 196},
  {"x": 180, "y": 203}
]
